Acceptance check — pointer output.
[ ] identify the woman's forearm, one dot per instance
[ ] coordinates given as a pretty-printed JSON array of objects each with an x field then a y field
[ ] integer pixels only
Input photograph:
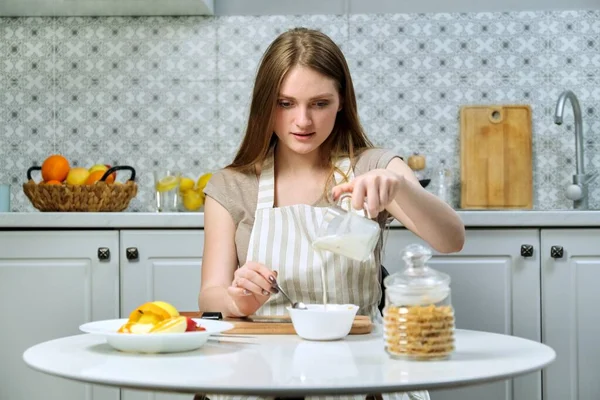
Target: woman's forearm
[
  {"x": 216, "y": 299},
  {"x": 434, "y": 220}
]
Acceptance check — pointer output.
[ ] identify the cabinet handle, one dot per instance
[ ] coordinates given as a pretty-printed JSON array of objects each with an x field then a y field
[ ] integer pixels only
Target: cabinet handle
[
  {"x": 526, "y": 250},
  {"x": 556, "y": 252},
  {"x": 132, "y": 253},
  {"x": 103, "y": 253}
]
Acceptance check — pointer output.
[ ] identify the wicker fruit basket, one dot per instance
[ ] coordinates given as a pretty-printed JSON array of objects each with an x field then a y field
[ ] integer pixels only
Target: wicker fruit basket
[{"x": 99, "y": 197}]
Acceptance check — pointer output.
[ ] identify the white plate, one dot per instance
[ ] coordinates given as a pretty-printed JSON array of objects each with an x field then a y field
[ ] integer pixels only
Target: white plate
[{"x": 156, "y": 342}]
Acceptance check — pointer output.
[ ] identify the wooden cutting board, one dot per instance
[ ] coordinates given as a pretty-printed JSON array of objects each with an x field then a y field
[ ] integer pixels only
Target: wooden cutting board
[
  {"x": 279, "y": 325},
  {"x": 495, "y": 166}
]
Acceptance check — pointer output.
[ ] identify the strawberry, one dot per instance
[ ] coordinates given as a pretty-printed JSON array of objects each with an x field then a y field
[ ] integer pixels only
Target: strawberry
[{"x": 191, "y": 325}]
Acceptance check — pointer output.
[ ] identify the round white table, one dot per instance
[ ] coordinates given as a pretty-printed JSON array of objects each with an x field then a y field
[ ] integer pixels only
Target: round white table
[{"x": 289, "y": 366}]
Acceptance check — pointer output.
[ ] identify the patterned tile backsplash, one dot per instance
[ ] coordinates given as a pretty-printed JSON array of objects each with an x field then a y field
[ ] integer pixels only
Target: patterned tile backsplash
[{"x": 173, "y": 92}]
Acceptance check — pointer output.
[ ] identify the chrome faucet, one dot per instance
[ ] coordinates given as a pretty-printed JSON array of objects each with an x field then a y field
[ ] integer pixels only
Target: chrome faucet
[{"x": 578, "y": 191}]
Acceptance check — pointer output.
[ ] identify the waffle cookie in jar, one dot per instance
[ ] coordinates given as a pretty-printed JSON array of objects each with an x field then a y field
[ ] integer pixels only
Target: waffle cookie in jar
[{"x": 418, "y": 316}]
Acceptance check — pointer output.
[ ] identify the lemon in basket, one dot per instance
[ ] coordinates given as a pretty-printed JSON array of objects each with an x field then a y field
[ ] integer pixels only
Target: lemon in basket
[{"x": 167, "y": 183}]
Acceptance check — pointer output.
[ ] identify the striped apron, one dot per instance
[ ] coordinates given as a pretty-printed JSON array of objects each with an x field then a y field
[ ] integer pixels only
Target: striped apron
[{"x": 282, "y": 238}]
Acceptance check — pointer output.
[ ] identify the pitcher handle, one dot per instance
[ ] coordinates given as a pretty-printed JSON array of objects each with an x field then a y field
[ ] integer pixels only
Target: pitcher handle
[{"x": 345, "y": 195}]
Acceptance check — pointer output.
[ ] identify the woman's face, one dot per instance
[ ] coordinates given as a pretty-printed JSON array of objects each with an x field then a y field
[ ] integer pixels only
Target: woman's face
[{"x": 307, "y": 106}]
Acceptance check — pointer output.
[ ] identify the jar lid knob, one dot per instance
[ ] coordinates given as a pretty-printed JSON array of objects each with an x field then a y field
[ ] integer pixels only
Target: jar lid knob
[{"x": 416, "y": 253}]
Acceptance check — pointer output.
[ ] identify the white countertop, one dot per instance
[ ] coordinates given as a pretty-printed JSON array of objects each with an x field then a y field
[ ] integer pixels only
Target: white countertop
[
  {"x": 289, "y": 366},
  {"x": 482, "y": 219},
  {"x": 100, "y": 220}
]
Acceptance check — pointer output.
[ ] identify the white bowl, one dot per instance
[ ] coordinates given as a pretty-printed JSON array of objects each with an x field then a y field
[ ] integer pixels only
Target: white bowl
[
  {"x": 154, "y": 343},
  {"x": 320, "y": 322}
]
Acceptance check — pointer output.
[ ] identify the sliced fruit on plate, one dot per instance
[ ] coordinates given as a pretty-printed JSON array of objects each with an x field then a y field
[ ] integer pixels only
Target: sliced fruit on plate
[
  {"x": 167, "y": 307},
  {"x": 158, "y": 317},
  {"x": 191, "y": 325},
  {"x": 135, "y": 327},
  {"x": 149, "y": 313},
  {"x": 173, "y": 325}
]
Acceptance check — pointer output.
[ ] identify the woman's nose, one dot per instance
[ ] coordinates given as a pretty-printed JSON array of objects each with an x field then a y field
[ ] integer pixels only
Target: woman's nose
[{"x": 303, "y": 117}]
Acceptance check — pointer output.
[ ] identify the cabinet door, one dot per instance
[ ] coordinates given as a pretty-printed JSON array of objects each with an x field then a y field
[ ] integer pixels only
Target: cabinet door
[
  {"x": 570, "y": 299},
  {"x": 494, "y": 289},
  {"x": 167, "y": 268},
  {"x": 50, "y": 283}
]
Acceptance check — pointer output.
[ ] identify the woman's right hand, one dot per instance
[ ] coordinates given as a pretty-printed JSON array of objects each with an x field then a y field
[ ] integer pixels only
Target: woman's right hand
[{"x": 251, "y": 287}]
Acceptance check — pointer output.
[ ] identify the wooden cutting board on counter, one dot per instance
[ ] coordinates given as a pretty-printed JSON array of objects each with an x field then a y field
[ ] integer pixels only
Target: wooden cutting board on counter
[
  {"x": 496, "y": 161},
  {"x": 279, "y": 325}
]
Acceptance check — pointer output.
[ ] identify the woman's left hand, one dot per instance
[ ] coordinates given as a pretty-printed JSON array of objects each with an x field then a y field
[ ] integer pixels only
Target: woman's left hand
[{"x": 376, "y": 189}]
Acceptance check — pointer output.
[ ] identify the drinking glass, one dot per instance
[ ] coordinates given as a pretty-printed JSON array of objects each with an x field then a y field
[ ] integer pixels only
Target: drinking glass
[
  {"x": 4, "y": 197},
  {"x": 166, "y": 190}
]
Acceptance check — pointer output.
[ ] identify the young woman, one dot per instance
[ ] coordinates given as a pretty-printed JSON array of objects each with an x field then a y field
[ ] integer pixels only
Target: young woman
[{"x": 304, "y": 146}]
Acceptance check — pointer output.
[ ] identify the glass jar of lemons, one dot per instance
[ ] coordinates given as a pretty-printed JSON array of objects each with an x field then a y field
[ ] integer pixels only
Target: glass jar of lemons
[{"x": 191, "y": 193}]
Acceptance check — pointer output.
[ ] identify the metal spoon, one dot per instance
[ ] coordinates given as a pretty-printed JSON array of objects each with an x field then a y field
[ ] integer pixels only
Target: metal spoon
[{"x": 299, "y": 305}]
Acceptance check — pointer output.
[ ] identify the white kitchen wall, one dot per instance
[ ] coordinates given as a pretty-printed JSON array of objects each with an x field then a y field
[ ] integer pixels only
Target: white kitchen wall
[
  {"x": 304, "y": 7},
  {"x": 167, "y": 91}
]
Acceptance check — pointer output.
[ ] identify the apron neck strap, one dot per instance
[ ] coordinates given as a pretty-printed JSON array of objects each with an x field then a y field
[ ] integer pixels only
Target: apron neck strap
[{"x": 266, "y": 182}]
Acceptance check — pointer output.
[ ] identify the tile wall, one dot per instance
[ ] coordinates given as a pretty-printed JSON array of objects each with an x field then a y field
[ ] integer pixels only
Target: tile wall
[{"x": 173, "y": 92}]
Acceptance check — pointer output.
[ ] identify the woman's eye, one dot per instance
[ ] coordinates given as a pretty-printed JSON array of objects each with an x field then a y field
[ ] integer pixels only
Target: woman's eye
[
  {"x": 284, "y": 104},
  {"x": 321, "y": 104}
]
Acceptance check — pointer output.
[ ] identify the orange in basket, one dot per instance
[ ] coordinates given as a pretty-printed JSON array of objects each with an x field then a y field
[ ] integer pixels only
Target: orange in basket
[
  {"x": 97, "y": 175},
  {"x": 55, "y": 168}
]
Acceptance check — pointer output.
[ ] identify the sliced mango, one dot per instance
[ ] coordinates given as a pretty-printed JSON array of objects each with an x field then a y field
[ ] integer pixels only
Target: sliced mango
[
  {"x": 135, "y": 327},
  {"x": 167, "y": 307},
  {"x": 148, "y": 316},
  {"x": 173, "y": 325},
  {"x": 125, "y": 328},
  {"x": 151, "y": 311}
]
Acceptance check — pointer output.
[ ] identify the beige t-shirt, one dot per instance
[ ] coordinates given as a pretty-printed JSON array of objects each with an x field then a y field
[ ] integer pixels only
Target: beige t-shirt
[{"x": 238, "y": 192}]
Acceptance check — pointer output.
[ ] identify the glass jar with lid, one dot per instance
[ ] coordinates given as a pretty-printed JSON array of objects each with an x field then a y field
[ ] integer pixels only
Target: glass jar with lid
[{"x": 418, "y": 316}]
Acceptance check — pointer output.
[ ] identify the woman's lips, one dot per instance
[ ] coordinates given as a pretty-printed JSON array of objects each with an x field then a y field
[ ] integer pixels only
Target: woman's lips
[{"x": 302, "y": 135}]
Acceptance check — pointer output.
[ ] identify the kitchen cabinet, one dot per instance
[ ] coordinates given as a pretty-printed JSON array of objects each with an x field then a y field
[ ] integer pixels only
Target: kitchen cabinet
[
  {"x": 570, "y": 298},
  {"x": 50, "y": 283},
  {"x": 539, "y": 284},
  {"x": 53, "y": 281},
  {"x": 160, "y": 265},
  {"x": 495, "y": 282}
]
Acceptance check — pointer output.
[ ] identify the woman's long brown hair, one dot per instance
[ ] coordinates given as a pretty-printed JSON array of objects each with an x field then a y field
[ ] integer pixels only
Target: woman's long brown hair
[{"x": 312, "y": 49}]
